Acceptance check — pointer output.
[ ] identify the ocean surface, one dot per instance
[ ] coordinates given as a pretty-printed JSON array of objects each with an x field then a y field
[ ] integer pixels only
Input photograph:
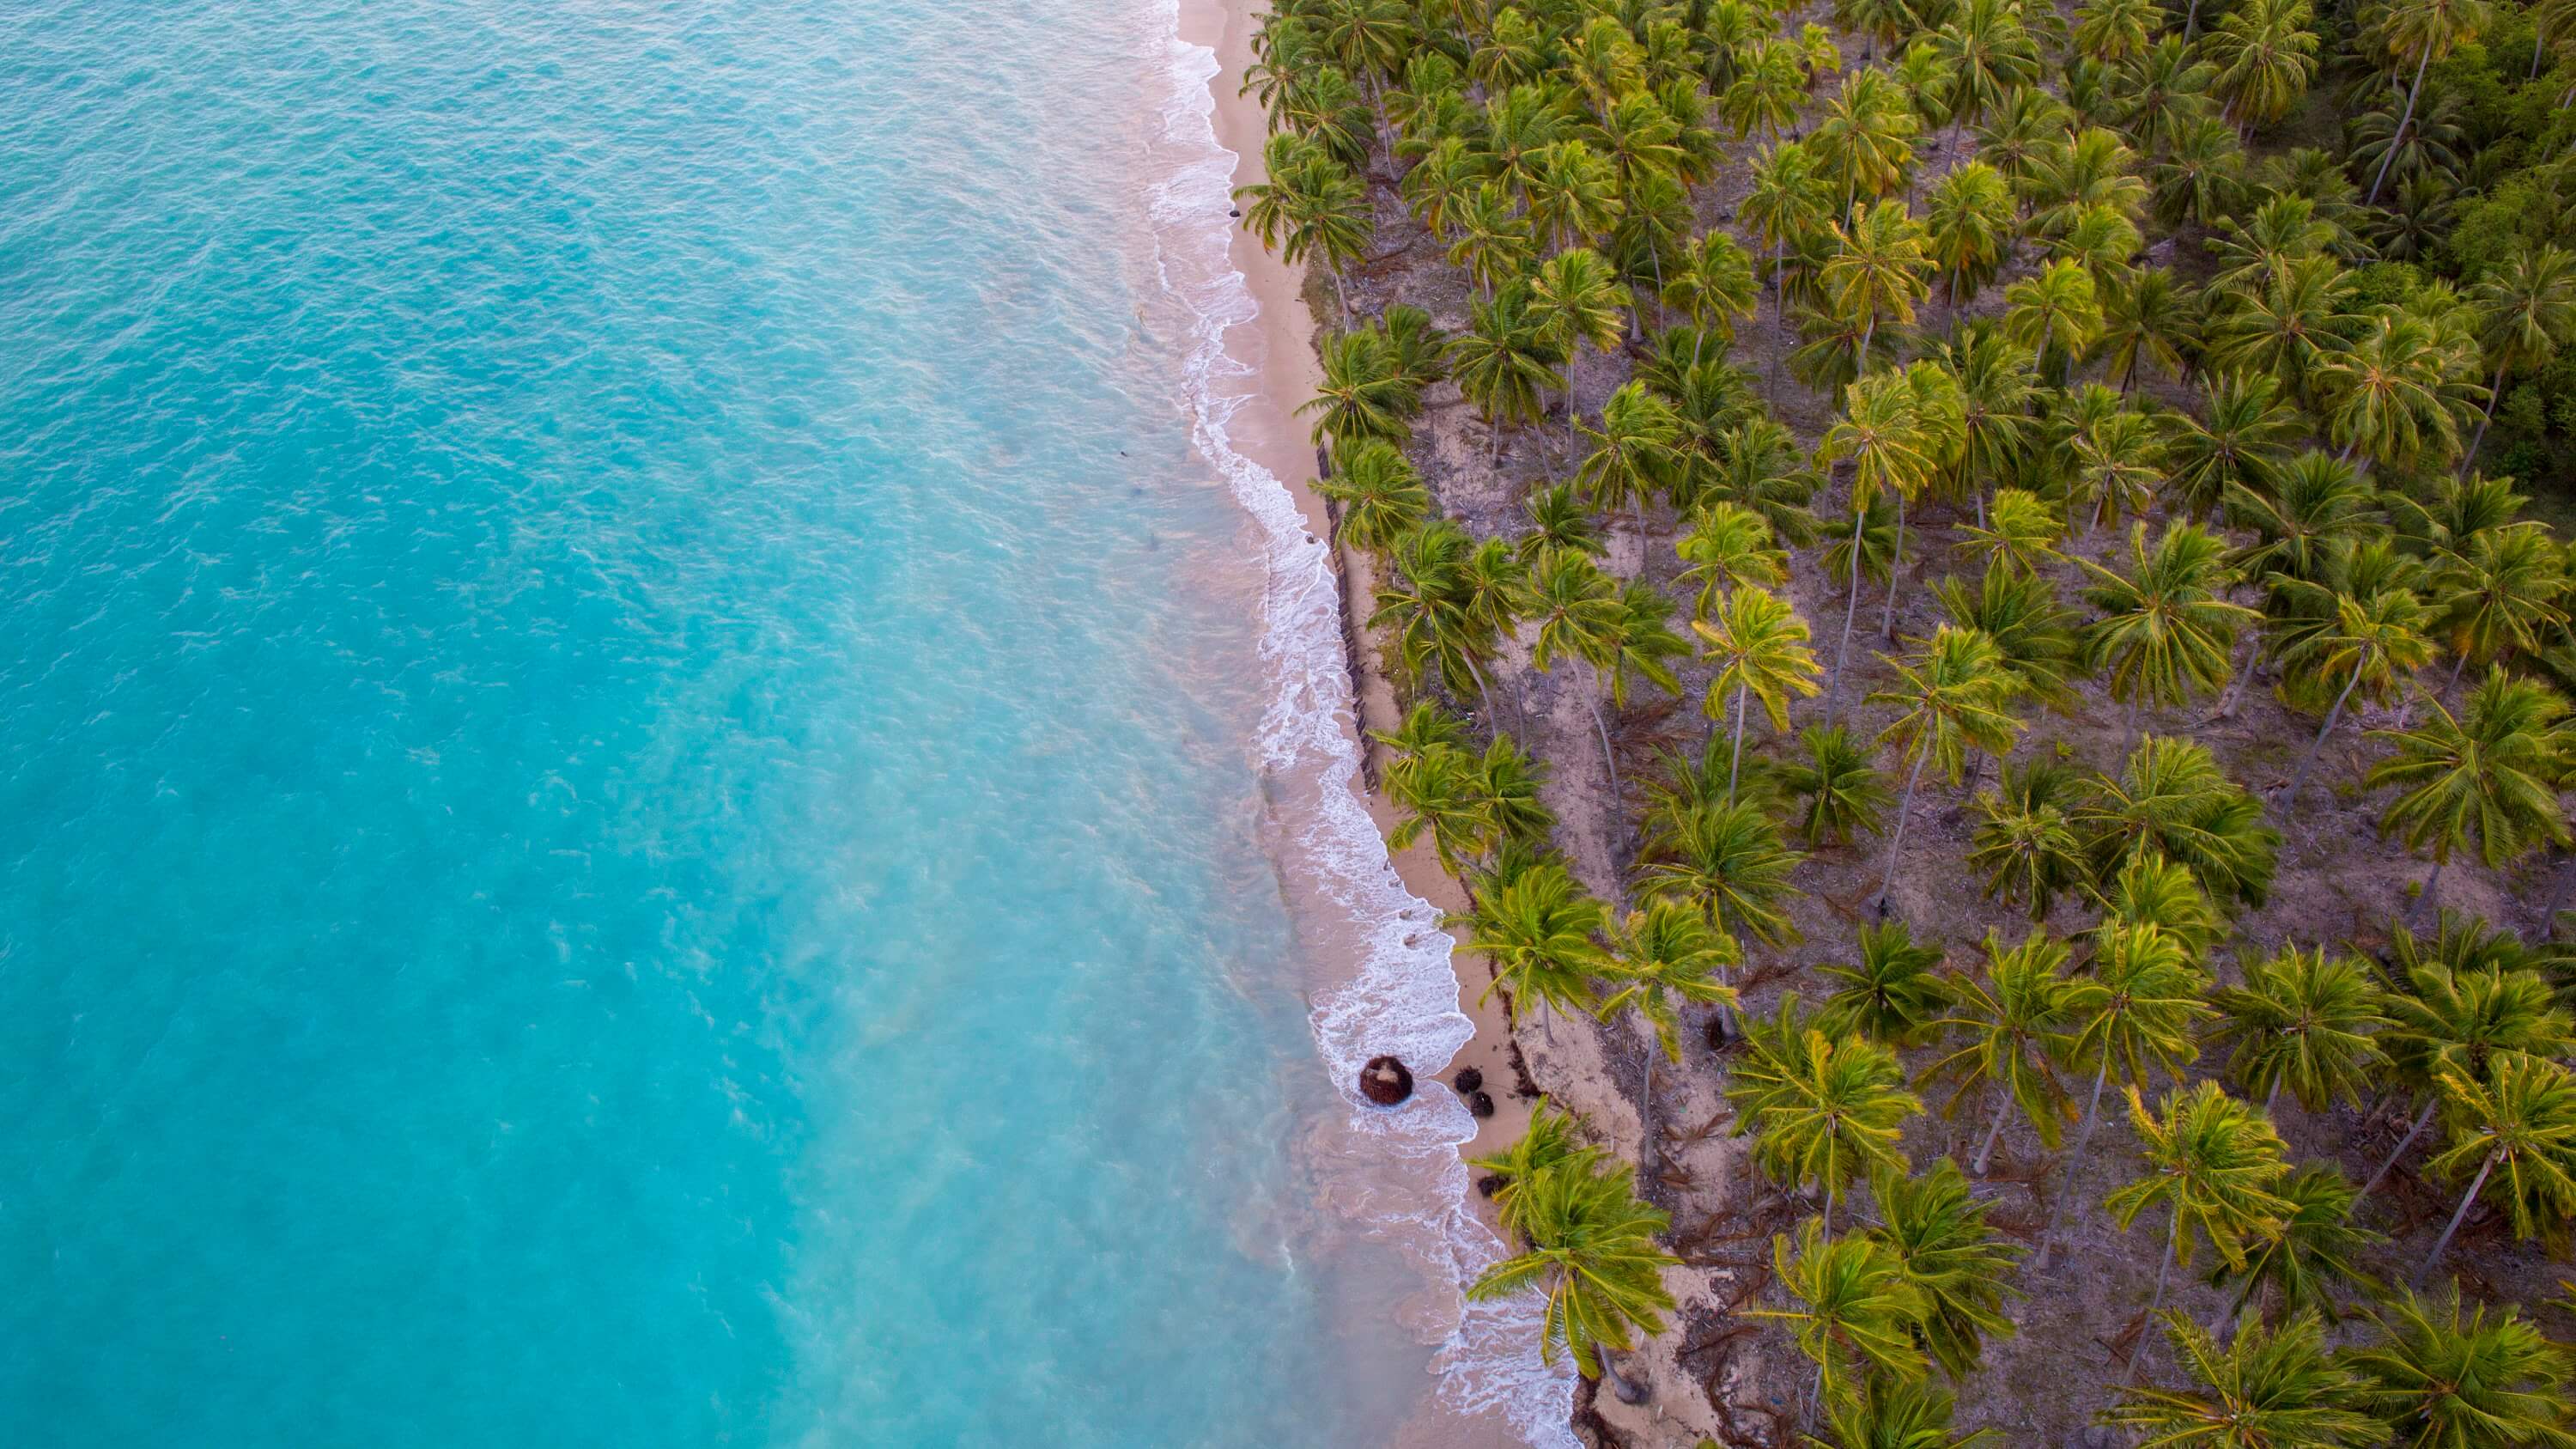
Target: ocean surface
[{"x": 643, "y": 796}]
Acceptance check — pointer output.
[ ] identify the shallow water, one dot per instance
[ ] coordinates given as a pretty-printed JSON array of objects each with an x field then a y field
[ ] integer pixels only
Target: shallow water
[{"x": 633, "y": 772}]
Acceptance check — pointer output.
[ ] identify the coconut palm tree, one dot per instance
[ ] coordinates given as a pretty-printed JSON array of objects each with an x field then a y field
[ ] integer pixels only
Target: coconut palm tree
[
  {"x": 2423, "y": 31},
  {"x": 1309, "y": 204},
  {"x": 2150, "y": 890},
  {"x": 1955, "y": 694},
  {"x": 1559, "y": 523},
  {"x": 2528, "y": 307},
  {"x": 2499, "y": 597},
  {"x": 2214, "y": 1164},
  {"x": 2265, "y": 55},
  {"x": 2025, "y": 840},
  {"x": 1427, "y": 601},
  {"x": 2521, "y": 1117},
  {"x": 1826, "y": 1110},
  {"x": 2459, "y": 1018},
  {"x": 2440, "y": 1379},
  {"x": 2019, "y": 1033},
  {"x": 2201, "y": 175},
  {"x": 1856, "y": 1312},
  {"x": 1573, "y": 195},
  {"x": 2035, "y": 632},
  {"x": 1504, "y": 363},
  {"x": 2167, "y": 630},
  {"x": 1364, "y": 393},
  {"x": 1634, "y": 452},
  {"x": 1886, "y": 1413},
  {"x": 2168, "y": 85},
  {"x": 2133, "y": 1010},
  {"x": 1488, "y": 237},
  {"x": 1844, "y": 793},
  {"x": 1728, "y": 861},
  {"x": 2317, "y": 1248},
  {"x": 1970, "y": 225},
  {"x": 2487, "y": 777},
  {"x": 1713, "y": 285},
  {"x": 1730, "y": 546},
  {"x": 2116, "y": 30},
  {"x": 1893, "y": 447},
  {"x": 1786, "y": 204},
  {"x": 1382, "y": 498},
  {"x": 2374, "y": 645},
  {"x": 1760, "y": 646},
  {"x": 1591, "y": 1250},
  {"x": 1540, "y": 932},
  {"x": 1877, "y": 269},
  {"x": 1866, "y": 137},
  {"x": 1936, "y": 1229},
  {"x": 1769, "y": 87},
  {"x": 1576, "y": 298},
  {"x": 1893, "y": 992},
  {"x": 2388, "y": 395},
  {"x": 2318, "y": 537},
  {"x": 2236, "y": 449},
  {"x": 1549, "y": 1142},
  {"x": 2172, "y": 800},
  {"x": 2304, "y": 1020},
  {"x": 2054, "y": 310},
  {"x": 2268, "y": 1388},
  {"x": 2150, "y": 318},
  {"x": 1664, "y": 957},
  {"x": 2019, "y": 535},
  {"x": 1992, "y": 55}
]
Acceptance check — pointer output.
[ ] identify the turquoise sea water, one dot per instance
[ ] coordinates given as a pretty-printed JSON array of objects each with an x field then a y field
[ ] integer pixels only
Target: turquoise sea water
[{"x": 627, "y": 802}]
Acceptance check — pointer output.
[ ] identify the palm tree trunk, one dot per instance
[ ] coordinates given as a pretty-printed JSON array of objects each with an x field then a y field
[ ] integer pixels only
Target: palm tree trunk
[
  {"x": 1895, "y": 562},
  {"x": 2421, "y": 1118},
  {"x": 1736, "y": 759},
  {"x": 2557, "y": 903},
  {"x": 2190, "y": 21},
  {"x": 1646, "y": 1116},
  {"x": 2432, "y": 884},
  {"x": 2074, "y": 1162},
  {"x": 2494, "y": 390},
  {"x": 1994, "y": 1133},
  {"x": 1851, "y": 606},
  {"x": 2173, "y": 1252},
  {"x": 2466, "y": 1199},
  {"x": 1609, "y": 764},
  {"x": 2399, "y": 135},
  {"x": 1896, "y": 841},
  {"x": 2297, "y": 781}
]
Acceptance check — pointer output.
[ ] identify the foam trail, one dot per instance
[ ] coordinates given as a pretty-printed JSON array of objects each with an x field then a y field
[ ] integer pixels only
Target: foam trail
[{"x": 1404, "y": 997}]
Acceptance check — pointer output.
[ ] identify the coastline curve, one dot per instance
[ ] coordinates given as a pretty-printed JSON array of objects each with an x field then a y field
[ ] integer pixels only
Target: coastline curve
[{"x": 1403, "y": 996}]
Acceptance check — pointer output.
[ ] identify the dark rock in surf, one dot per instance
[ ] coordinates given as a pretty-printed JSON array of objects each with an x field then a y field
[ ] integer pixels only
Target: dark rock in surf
[
  {"x": 1467, "y": 1081},
  {"x": 1386, "y": 1081}
]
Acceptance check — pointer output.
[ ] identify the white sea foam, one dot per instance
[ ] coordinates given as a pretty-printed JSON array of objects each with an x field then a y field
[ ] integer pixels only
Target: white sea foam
[{"x": 1403, "y": 996}]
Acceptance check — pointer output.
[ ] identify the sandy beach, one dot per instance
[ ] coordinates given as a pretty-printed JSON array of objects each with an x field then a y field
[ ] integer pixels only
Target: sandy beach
[{"x": 1268, "y": 431}]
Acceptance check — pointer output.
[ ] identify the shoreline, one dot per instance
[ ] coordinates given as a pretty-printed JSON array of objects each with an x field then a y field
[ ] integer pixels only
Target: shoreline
[
  {"x": 1483, "y": 1379},
  {"x": 1289, "y": 369},
  {"x": 1288, "y": 374}
]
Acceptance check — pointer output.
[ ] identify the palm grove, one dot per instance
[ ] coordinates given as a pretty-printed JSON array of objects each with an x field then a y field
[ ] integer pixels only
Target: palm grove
[{"x": 2096, "y": 374}]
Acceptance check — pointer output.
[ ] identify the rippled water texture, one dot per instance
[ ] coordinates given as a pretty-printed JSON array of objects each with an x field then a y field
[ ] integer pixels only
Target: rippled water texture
[{"x": 627, "y": 802}]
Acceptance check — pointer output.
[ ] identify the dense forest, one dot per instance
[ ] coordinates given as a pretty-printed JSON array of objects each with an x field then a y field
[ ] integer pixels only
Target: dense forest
[{"x": 1973, "y": 590}]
